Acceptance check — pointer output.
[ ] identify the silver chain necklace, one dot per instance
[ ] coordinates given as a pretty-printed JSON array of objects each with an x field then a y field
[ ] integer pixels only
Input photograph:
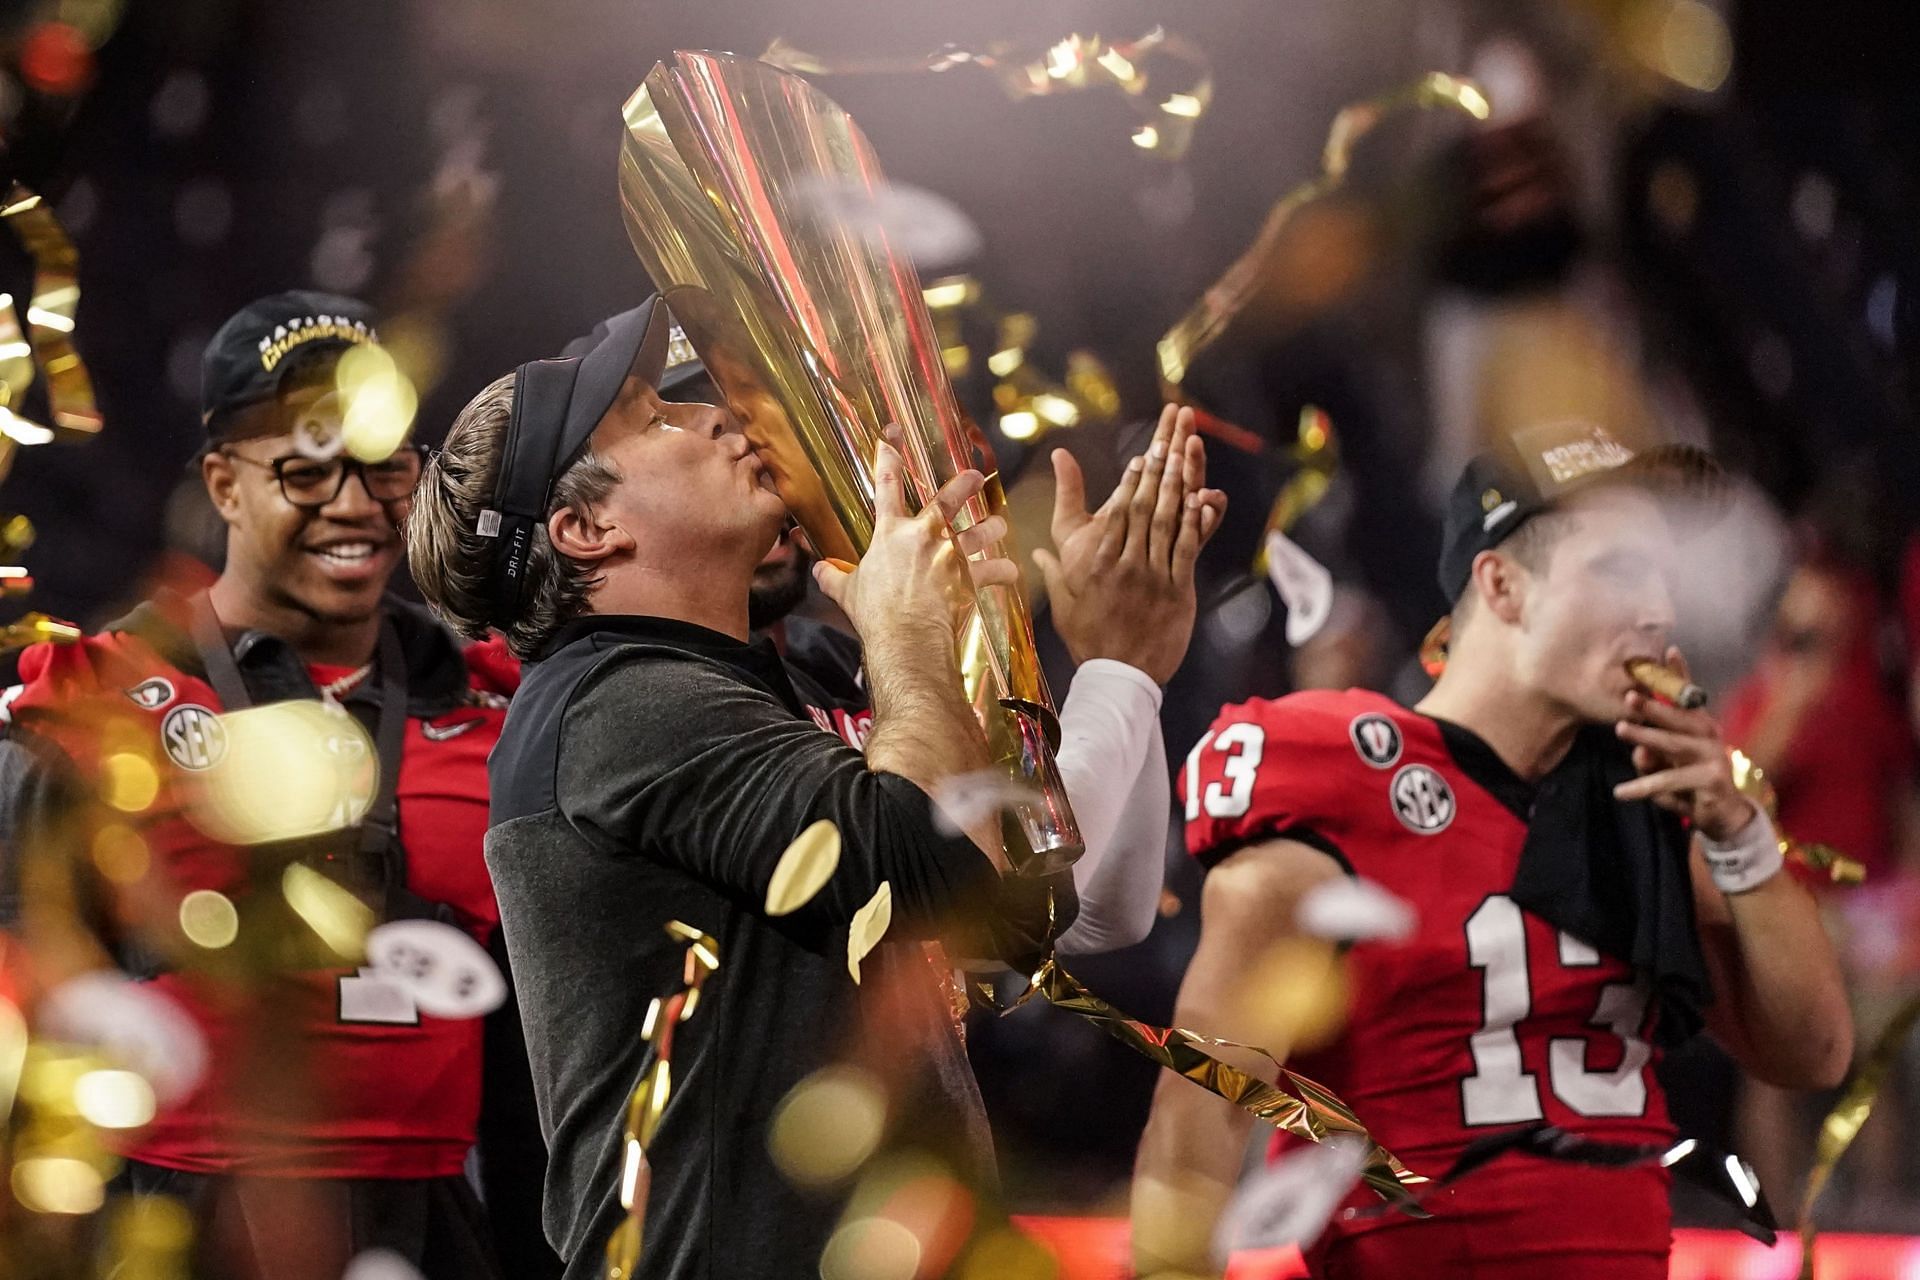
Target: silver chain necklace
[{"x": 333, "y": 690}]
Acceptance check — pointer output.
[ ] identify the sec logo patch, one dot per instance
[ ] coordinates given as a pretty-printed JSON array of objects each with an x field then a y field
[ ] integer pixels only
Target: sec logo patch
[
  {"x": 1376, "y": 738},
  {"x": 194, "y": 737},
  {"x": 1422, "y": 800}
]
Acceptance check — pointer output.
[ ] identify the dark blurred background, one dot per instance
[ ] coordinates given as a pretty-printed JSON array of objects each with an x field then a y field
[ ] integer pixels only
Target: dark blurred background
[{"x": 1685, "y": 220}]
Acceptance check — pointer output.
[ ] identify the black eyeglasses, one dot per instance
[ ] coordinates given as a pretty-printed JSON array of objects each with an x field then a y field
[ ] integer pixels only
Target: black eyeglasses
[{"x": 309, "y": 483}]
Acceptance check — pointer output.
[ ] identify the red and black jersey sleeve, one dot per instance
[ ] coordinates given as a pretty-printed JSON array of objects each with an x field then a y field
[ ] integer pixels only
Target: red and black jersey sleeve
[{"x": 1271, "y": 769}]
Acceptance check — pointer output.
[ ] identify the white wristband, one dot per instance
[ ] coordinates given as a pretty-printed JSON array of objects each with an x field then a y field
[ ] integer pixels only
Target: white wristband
[{"x": 1748, "y": 860}]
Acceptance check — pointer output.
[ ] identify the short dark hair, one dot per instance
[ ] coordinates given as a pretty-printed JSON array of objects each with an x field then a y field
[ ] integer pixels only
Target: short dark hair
[
  {"x": 1531, "y": 544},
  {"x": 449, "y": 558}
]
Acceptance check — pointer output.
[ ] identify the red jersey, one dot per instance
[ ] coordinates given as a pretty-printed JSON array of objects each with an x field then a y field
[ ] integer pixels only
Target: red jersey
[
  {"x": 373, "y": 1087},
  {"x": 1485, "y": 1018}
]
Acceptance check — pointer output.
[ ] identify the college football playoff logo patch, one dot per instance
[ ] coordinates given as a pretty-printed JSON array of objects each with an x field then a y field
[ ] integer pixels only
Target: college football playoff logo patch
[
  {"x": 1422, "y": 800},
  {"x": 1376, "y": 738},
  {"x": 194, "y": 737},
  {"x": 151, "y": 695}
]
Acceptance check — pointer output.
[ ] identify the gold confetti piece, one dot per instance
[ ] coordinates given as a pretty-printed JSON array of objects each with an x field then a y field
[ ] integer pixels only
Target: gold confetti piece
[
  {"x": 340, "y": 919},
  {"x": 1751, "y": 781},
  {"x": 35, "y": 628},
  {"x": 804, "y": 869},
  {"x": 869, "y": 925},
  {"x": 647, "y": 1104},
  {"x": 1843, "y": 1123},
  {"x": 1221, "y": 303},
  {"x": 1166, "y": 80}
]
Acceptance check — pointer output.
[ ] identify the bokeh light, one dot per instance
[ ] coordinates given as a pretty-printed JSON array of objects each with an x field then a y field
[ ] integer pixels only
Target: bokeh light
[
  {"x": 58, "y": 1184},
  {"x": 871, "y": 1249},
  {"x": 209, "y": 919},
  {"x": 114, "y": 1099},
  {"x": 128, "y": 781},
  {"x": 828, "y": 1126},
  {"x": 380, "y": 402},
  {"x": 291, "y": 769},
  {"x": 121, "y": 853}
]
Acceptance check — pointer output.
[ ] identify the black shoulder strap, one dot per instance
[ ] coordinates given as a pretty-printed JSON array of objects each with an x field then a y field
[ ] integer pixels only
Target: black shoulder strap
[
  {"x": 378, "y": 839},
  {"x": 216, "y": 655},
  {"x": 380, "y": 828}
]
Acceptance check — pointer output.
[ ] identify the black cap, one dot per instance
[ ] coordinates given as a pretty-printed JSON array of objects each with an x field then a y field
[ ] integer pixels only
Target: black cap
[
  {"x": 556, "y": 405},
  {"x": 683, "y": 362},
  {"x": 1499, "y": 492},
  {"x": 246, "y": 361}
]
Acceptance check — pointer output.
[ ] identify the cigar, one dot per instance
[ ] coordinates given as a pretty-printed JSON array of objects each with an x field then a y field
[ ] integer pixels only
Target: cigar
[{"x": 1668, "y": 683}]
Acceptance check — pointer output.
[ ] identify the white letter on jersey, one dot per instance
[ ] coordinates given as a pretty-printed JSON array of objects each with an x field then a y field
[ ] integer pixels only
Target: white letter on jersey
[{"x": 1498, "y": 1091}]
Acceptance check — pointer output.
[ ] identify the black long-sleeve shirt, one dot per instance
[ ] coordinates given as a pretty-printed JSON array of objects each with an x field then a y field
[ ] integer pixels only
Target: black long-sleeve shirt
[{"x": 652, "y": 770}]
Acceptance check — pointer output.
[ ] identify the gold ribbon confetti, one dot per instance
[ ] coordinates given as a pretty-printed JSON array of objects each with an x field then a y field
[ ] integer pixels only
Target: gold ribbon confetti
[
  {"x": 1218, "y": 306},
  {"x": 1167, "y": 80},
  {"x": 50, "y": 319},
  {"x": 1843, "y": 1123},
  {"x": 1751, "y": 781},
  {"x": 1027, "y": 401},
  {"x": 1315, "y": 457},
  {"x": 648, "y": 1102},
  {"x": 1310, "y": 1111}
]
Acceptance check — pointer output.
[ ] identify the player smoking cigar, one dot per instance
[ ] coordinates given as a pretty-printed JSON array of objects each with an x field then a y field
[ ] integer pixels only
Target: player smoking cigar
[{"x": 1667, "y": 683}]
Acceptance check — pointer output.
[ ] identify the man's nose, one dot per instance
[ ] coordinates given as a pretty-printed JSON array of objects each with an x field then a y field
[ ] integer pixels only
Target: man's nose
[
  {"x": 714, "y": 422},
  {"x": 1657, "y": 612},
  {"x": 355, "y": 501}
]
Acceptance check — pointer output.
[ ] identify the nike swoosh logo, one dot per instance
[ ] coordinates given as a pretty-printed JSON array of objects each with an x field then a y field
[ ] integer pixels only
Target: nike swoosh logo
[{"x": 440, "y": 733}]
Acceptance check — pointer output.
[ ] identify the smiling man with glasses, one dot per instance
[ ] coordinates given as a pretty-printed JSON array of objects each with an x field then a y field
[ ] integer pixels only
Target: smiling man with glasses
[{"x": 335, "y": 1115}]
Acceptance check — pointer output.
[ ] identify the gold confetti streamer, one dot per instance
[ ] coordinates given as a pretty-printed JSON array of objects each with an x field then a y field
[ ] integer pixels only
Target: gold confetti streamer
[
  {"x": 648, "y": 1102},
  {"x": 1218, "y": 306},
  {"x": 50, "y": 314},
  {"x": 1842, "y": 1124},
  {"x": 1166, "y": 80},
  {"x": 1310, "y": 1111},
  {"x": 1315, "y": 457},
  {"x": 804, "y": 869}
]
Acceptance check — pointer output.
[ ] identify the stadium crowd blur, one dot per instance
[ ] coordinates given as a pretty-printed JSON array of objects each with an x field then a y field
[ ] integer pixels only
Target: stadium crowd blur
[{"x": 1697, "y": 232}]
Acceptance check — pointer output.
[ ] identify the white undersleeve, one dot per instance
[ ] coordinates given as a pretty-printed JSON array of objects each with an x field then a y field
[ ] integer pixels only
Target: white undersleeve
[{"x": 1114, "y": 765}]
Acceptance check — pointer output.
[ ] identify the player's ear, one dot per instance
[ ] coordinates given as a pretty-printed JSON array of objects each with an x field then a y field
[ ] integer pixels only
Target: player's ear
[
  {"x": 584, "y": 533},
  {"x": 1499, "y": 582},
  {"x": 222, "y": 479}
]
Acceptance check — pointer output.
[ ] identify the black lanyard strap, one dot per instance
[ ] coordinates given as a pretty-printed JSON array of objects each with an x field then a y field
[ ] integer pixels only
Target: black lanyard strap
[{"x": 379, "y": 828}]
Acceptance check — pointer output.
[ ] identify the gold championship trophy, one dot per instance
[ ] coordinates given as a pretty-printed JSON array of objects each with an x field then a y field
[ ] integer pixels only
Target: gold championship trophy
[{"x": 734, "y": 181}]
